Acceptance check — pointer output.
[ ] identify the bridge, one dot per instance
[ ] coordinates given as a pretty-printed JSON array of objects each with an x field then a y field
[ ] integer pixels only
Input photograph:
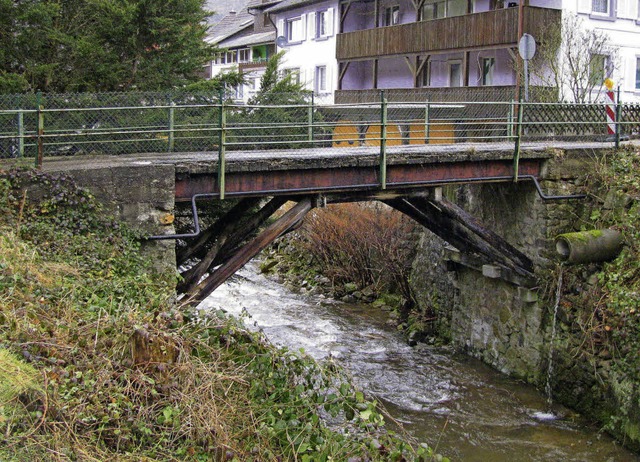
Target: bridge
[{"x": 264, "y": 156}]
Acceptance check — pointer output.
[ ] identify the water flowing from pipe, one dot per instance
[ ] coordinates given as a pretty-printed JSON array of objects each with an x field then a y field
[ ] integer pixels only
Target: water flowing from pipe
[{"x": 552, "y": 341}]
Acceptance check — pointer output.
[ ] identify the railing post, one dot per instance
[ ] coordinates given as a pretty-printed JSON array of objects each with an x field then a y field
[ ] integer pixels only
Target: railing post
[
  {"x": 221, "y": 147},
  {"x": 383, "y": 141},
  {"x": 20, "y": 133},
  {"x": 510, "y": 118},
  {"x": 39, "y": 130},
  {"x": 310, "y": 120},
  {"x": 171, "y": 135},
  {"x": 516, "y": 154},
  {"x": 427, "y": 122},
  {"x": 618, "y": 121}
]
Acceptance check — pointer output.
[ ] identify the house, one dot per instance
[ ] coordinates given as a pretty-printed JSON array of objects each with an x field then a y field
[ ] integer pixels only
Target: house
[
  {"x": 444, "y": 50},
  {"x": 307, "y": 30},
  {"x": 468, "y": 49},
  {"x": 246, "y": 39}
]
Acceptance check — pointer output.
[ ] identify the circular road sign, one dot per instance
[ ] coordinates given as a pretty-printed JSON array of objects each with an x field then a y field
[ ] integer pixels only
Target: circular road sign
[{"x": 527, "y": 46}]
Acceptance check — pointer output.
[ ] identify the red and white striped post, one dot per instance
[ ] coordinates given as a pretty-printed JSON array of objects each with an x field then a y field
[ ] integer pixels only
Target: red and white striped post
[{"x": 610, "y": 107}]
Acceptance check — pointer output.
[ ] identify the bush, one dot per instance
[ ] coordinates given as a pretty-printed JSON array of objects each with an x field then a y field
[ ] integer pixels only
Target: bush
[{"x": 368, "y": 244}]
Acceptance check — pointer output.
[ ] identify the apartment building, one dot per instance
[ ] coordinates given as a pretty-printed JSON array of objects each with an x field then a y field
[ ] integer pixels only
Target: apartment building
[
  {"x": 307, "y": 31},
  {"x": 443, "y": 49},
  {"x": 246, "y": 39}
]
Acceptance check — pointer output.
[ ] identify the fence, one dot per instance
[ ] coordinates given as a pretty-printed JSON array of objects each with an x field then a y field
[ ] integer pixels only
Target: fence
[{"x": 38, "y": 126}]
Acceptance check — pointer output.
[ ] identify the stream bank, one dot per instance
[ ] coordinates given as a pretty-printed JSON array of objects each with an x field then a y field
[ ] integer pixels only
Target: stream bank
[
  {"x": 595, "y": 368},
  {"x": 461, "y": 407}
]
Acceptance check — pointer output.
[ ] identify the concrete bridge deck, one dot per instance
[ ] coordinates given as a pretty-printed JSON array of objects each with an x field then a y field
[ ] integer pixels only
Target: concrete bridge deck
[{"x": 323, "y": 170}]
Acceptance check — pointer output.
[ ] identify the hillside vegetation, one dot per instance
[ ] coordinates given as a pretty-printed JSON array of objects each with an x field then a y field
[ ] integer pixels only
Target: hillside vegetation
[{"x": 97, "y": 362}]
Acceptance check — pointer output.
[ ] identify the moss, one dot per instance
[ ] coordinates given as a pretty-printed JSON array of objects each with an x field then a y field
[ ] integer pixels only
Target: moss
[{"x": 582, "y": 236}]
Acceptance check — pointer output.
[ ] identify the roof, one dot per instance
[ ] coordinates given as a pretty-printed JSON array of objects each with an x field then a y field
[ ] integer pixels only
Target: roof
[
  {"x": 289, "y": 4},
  {"x": 231, "y": 24},
  {"x": 221, "y": 8},
  {"x": 262, "y": 4},
  {"x": 253, "y": 39}
]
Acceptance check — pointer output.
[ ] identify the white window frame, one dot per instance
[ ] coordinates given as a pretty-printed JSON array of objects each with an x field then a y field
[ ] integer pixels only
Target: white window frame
[
  {"x": 232, "y": 57},
  {"x": 320, "y": 79},
  {"x": 450, "y": 64},
  {"x": 244, "y": 55},
  {"x": 294, "y": 29},
  {"x": 487, "y": 74},
  {"x": 294, "y": 72},
  {"x": 321, "y": 24}
]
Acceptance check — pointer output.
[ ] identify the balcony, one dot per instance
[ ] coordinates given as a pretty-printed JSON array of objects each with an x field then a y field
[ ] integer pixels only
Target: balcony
[
  {"x": 433, "y": 95},
  {"x": 252, "y": 65},
  {"x": 496, "y": 28}
]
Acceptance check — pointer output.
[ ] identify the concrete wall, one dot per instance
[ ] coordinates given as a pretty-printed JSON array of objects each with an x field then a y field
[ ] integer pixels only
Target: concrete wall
[
  {"x": 141, "y": 197},
  {"x": 490, "y": 318},
  {"x": 509, "y": 327}
]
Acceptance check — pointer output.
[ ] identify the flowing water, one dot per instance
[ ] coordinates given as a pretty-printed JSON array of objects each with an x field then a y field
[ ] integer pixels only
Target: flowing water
[
  {"x": 466, "y": 409},
  {"x": 548, "y": 389}
]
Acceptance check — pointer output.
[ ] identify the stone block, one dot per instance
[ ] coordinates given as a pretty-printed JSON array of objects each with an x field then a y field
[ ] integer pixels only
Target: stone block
[{"x": 491, "y": 271}]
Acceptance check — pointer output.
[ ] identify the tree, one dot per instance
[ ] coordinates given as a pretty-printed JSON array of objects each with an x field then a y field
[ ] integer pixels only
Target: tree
[
  {"x": 101, "y": 45},
  {"x": 278, "y": 87},
  {"x": 574, "y": 59},
  {"x": 282, "y": 99}
]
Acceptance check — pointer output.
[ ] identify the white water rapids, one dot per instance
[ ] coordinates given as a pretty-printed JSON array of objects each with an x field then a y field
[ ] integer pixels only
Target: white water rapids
[{"x": 487, "y": 416}]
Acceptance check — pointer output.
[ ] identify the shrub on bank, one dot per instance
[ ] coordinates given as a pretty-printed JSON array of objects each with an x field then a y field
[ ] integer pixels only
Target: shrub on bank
[
  {"x": 368, "y": 244},
  {"x": 599, "y": 309},
  {"x": 98, "y": 363}
]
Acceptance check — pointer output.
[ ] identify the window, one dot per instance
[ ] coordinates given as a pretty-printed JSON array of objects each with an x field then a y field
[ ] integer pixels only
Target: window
[
  {"x": 244, "y": 55},
  {"x": 455, "y": 74},
  {"x": 599, "y": 69},
  {"x": 294, "y": 73},
  {"x": 600, "y": 6},
  {"x": 433, "y": 10},
  {"x": 322, "y": 24},
  {"x": 488, "y": 64},
  {"x": 425, "y": 75},
  {"x": 443, "y": 9},
  {"x": 294, "y": 29},
  {"x": 321, "y": 79},
  {"x": 637, "y": 73},
  {"x": 391, "y": 15},
  {"x": 232, "y": 57}
]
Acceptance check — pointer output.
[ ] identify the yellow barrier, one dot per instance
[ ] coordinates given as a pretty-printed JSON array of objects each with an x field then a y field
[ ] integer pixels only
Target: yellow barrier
[
  {"x": 374, "y": 133},
  {"x": 345, "y": 135},
  {"x": 440, "y": 132}
]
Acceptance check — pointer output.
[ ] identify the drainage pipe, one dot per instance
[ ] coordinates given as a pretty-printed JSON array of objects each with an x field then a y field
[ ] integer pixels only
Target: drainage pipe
[{"x": 589, "y": 246}]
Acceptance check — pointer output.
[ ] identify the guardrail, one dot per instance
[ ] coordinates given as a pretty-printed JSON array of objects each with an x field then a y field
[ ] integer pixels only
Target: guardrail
[{"x": 192, "y": 123}]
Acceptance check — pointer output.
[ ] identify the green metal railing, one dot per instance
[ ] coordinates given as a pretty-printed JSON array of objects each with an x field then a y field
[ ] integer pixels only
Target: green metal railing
[{"x": 40, "y": 126}]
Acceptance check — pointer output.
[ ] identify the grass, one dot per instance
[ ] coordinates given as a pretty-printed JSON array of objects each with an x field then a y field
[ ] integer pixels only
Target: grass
[{"x": 98, "y": 363}]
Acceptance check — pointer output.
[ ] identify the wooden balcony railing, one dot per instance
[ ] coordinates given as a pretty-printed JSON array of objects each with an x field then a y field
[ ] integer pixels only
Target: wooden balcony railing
[
  {"x": 472, "y": 31},
  {"x": 252, "y": 65},
  {"x": 442, "y": 94}
]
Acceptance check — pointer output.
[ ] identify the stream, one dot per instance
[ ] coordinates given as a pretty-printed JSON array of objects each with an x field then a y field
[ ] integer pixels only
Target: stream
[{"x": 463, "y": 408}]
